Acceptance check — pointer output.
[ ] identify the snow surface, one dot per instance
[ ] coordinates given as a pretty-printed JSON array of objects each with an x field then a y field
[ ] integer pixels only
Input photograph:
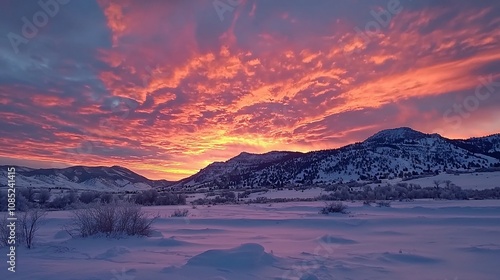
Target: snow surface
[{"x": 423, "y": 239}]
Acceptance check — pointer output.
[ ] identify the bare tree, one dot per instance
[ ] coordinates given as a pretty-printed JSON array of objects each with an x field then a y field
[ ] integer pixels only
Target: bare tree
[
  {"x": 30, "y": 224},
  {"x": 437, "y": 183},
  {"x": 28, "y": 193},
  {"x": 43, "y": 196}
]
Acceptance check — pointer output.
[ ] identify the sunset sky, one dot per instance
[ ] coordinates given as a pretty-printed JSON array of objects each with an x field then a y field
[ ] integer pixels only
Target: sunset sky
[{"x": 164, "y": 88}]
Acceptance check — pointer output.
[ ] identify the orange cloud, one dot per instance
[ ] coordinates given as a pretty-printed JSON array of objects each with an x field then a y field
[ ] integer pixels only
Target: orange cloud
[{"x": 268, "y": 79}]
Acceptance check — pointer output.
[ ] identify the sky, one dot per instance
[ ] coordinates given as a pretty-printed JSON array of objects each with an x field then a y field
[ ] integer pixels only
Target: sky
[{"x": 165, "y": 88}]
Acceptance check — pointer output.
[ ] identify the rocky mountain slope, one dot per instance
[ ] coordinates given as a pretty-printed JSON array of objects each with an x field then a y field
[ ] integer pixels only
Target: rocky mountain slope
[{"x": 401, "y": 152}]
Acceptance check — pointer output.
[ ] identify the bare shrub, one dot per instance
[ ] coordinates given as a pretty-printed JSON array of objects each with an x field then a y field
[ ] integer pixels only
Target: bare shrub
[
  {"x": 30, "y": 224},
  {"x": 59, "y": 202},
  {"x": 180, "y": 213},
  {"x": 112, "y": 220},
  {"x": 334, "y": 207},
  {"x": 88, "y": 197},
  {"x": 43, "y": 196},
  {"x": 4, "y": 231},
  {"x": 71, "y": 197},
  {"x": 368, "y": 202},
  {"x": 384, "y": 204},
  {"x": 28, "y": 193},
  {"x": 106, "y": 198}
]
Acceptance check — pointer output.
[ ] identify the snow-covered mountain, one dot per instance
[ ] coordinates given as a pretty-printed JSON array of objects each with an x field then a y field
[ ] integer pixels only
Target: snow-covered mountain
[
  {"x": 393, "y": 153},
  {"x": 100, "y": 178},
  {"x": 488, "y": 145},
  {"x": 244, "y": 163}
]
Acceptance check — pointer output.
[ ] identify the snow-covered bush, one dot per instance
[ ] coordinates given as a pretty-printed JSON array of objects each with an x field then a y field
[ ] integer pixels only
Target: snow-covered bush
[
  {"x": 171, "y": 199},
  {"x": 88, "y": 197},
  {"x": 147, "y": 197},
  {"x": 28, "y": 193},
  {"x": 43, "y": 196},
  {"x": 71, "y": 196},
  {"x": 59, "y": 202},
  {"x": 106, "y": 198},
  {"x": 112, "y": 220},
  {"x": 334, "y": 207}
]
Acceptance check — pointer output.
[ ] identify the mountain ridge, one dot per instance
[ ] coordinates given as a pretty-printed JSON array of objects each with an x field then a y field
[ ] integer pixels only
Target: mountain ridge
[{"x": 390, "y": 153}]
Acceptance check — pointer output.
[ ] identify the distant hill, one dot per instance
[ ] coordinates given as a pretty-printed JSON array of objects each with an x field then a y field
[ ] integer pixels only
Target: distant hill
[{"x": 99, "y": 178}]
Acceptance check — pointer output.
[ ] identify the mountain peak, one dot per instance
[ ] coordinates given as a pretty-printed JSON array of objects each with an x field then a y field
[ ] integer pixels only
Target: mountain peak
[
  {"x": 397, "y": 135},
  {"x": 244, "y": 154},
  {"x": 269, "y": 156}
]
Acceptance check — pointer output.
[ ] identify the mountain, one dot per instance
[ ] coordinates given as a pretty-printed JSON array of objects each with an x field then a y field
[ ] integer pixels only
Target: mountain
[
  {"x": 396, "y": 135},
  {"x": 99, "y": 178},
  {"x": 244, "y": 163},
  {"x": 393, "y": 153},
  {"x": 488, "y": 145}
]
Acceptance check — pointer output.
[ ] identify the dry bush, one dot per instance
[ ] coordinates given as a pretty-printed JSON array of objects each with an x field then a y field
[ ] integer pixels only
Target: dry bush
[
  {"x": 180, "y": 213},
  {"x": 384, "y": 204},
  {"x": 334, "y": 207},
  {"x": 111, "y": 220},
  {"x": 30, "y": 224}
]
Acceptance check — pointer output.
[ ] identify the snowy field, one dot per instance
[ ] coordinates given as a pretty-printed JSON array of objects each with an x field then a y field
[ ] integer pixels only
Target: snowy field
[{"x": 411, "y": 240}]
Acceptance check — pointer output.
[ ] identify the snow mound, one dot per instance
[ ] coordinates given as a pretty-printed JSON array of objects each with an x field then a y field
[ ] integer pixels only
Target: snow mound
[
  {"x": 248, "y": 255},
  {"x": 309, "y": 277},
  {"x": 481, "y": 249},
  {"x": 330, "y": 239},
  {"x": 200, "y": 231},
  {"x": 169, "y": 242},
  {"x": 62, "y": 234},
  {"x": 170, "y": 269},
  {"x": 113, "y": 252},
  {"x": 58, "y": 252},
  {"x": 409, "y": 258},
  {"x": 156, "y": 233},
  {"x": 389, "y": 233}
]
